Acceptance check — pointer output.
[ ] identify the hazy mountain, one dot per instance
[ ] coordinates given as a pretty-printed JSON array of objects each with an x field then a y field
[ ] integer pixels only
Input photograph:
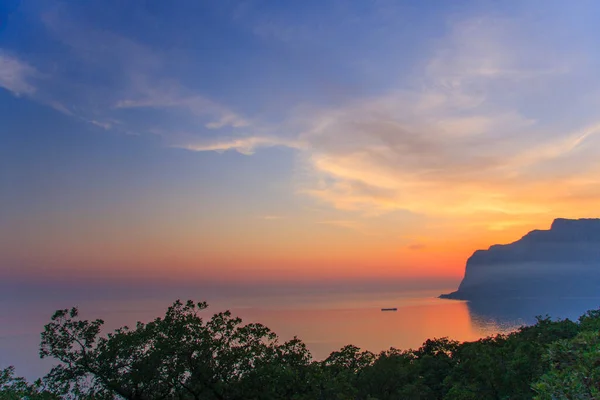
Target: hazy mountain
[{"x": 561, "y": 262}]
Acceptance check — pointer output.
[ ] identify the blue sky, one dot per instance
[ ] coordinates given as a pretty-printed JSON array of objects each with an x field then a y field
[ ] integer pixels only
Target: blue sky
[{"x": 280, "y": 130}]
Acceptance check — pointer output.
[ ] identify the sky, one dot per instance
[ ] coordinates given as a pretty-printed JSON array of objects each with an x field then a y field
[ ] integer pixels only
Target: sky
[{"x": 283, "y": 141}]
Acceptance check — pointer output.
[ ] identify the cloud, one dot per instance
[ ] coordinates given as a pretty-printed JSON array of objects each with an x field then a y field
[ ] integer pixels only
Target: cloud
[
  {"x": 60, "y": 107},
  {"x": 15, "y": 75},
  {"x": 134, "y": 75},
  {"x": 461, "y": 142},
  {"x": 228, "y": 119},
  {"x": 486, "y": 50},
  {"x": 98, "y": 47},
  {"x": 101, "y": 124},
  {"x": 471, "y": 129},
  {"x": 385, "y": 155},
  {"x": 171, "y": 95},
  {"x": 379, "y": 161},
  {"x": 244, "y": 145},
  {"x": 560, "y": 147},
  {"x": 455, "y": 146}
]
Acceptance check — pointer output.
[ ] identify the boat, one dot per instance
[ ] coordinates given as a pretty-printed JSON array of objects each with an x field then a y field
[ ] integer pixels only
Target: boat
[{"x": 389, "y": 309}]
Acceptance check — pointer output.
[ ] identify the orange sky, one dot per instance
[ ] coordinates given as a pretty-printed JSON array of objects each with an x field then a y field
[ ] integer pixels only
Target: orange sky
[{"x": 293, "y": 143}]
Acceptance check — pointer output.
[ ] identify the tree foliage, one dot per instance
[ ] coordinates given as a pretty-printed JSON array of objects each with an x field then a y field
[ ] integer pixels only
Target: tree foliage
[
  {"x": 574, "y": 371},
  {"x": 17, "y": 388},
  {"x": 184, "y": 356}
]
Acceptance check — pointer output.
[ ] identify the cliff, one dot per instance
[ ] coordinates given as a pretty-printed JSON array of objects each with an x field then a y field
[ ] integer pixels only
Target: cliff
[{"x": 563, "y": 261}]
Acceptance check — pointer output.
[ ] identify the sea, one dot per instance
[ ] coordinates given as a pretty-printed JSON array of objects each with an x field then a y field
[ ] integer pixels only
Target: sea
[{"x": 325, "y": 319}]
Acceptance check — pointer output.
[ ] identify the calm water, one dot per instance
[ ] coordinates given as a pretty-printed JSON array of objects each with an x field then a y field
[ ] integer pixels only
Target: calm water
[{"x": 325, "y": 321}]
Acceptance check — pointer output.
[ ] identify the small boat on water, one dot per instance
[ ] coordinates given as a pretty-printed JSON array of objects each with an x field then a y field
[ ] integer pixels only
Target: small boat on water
[{"x": 389, "y": 309}]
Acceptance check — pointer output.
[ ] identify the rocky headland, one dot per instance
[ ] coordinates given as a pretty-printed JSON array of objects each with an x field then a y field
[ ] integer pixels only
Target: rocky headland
[{"x": 561, "y": 262}]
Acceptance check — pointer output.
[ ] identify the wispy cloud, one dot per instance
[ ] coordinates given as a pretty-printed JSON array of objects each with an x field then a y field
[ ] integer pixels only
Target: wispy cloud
[
  {"x": 459, "y": 144},
  {"x": 168, "y": 94},
  {"x": 469, "y": 130},
  {"x": 382, "y": 161},
  {"x": 487, "y": 50},
  {"x": 244, "y": 145},
  {"x": 16, "y": 75},
  {"x": 454, "y": 147},
  {"x": 101, "y": 124},
  {"x": 138, "y": 80},
  {"x": 23, "y": 79},
  {"x": 60, "y": 107},
  {"x": 559, "y": 147}
]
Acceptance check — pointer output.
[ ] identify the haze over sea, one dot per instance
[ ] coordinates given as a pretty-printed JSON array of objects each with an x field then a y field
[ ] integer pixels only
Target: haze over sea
[{"x": 325, "y": 317}]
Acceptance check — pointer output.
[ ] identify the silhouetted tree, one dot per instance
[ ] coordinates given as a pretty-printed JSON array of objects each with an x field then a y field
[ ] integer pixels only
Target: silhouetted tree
[
  {"x": 182, "y": 356},
  {"x": 179, "y": 356},
  {"x": 17, "y": 388}
]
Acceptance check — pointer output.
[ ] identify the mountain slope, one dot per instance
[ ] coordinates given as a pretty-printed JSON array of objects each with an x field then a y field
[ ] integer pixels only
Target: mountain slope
[{"x": 563, "y": 261}]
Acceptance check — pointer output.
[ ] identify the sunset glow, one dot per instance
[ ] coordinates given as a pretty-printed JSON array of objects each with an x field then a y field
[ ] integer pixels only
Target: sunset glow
[{"x": 255, "y": 142}]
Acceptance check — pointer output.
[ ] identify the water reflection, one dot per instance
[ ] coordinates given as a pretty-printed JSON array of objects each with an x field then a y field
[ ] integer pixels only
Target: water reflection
[
  {"x": 324, "y": 321},
  {"x": 327, "y": 329},
  {"x": 508, "y": 313}
]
